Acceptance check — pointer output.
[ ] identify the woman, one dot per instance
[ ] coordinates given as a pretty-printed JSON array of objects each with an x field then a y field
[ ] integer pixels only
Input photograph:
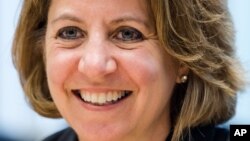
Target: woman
[{"x": 129, "y": 70}]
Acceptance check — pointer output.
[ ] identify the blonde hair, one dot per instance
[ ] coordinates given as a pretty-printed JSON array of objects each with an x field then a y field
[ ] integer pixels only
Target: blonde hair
[
  {"x": 198, "y": 33},
  {"x": 27, "y": 55}
]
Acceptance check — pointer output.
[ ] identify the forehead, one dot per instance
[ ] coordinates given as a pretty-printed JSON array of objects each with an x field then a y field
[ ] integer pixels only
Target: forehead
[{"x": 102, "y": 8}]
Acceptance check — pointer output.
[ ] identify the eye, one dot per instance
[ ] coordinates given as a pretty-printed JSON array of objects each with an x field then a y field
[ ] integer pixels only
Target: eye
[
  {"x": 70, "y": 33},
  {"x": 128, "y": 34}
]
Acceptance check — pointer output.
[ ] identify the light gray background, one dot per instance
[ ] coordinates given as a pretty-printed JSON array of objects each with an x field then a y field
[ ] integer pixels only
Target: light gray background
[{"x": 17, "y": 118}]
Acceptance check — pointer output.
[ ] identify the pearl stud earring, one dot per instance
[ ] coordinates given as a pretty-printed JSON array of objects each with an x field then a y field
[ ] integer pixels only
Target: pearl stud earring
[{"x": 184, "y": 79}]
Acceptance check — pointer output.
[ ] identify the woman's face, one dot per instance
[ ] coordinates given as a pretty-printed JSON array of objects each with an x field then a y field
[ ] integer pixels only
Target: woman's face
[{"x": 106, "y": 71}]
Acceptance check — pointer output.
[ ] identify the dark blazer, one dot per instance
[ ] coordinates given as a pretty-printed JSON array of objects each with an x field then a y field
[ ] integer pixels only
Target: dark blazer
[{"x": 205, "y": 133}]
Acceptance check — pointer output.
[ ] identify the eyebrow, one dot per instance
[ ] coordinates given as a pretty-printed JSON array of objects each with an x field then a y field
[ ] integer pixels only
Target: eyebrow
[
  {"x": 130, "y": 18},
  {"x": 119, "y": 20},
  {"x": 67, "y": 17}
]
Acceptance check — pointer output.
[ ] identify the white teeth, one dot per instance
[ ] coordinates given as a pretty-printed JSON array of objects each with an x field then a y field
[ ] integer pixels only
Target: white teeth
[
  {"x": 94, "y": 98},
  {"x": 109, "y": 96},
  {"x": 87, "y": 97},
  {"x": 114, "y": 96},
  {"x": 102, "y": 98}
]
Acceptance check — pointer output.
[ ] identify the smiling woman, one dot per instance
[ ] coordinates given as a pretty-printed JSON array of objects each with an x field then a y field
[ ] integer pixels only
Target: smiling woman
[
  {"x": 129, "y": 70},
  {"x": 99, "y": 90}
]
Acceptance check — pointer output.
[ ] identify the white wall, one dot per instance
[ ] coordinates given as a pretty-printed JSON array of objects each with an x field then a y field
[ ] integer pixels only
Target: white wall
[{"x": 18, "y": 120}]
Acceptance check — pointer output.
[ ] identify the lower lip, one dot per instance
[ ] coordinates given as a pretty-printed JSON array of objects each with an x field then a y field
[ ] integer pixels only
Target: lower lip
[{"x": 107, "y": 107}]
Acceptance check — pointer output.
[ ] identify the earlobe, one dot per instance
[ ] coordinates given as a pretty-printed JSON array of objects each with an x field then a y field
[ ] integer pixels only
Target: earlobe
[{"x": 182, "y": 75}]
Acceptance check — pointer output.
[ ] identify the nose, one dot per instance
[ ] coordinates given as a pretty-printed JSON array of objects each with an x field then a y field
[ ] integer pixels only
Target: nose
[{"x": 97, "y": 61}]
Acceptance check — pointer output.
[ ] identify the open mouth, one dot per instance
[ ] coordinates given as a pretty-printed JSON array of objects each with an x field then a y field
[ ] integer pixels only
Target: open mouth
[{"x": 102, "y": 98}]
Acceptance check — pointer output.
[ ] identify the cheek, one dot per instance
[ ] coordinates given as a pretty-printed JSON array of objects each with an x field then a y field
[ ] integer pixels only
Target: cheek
[
  {"x": 143, "y": 71},
  {"x": 59, "y": 65},
  {"x": 149, "y": 69}
]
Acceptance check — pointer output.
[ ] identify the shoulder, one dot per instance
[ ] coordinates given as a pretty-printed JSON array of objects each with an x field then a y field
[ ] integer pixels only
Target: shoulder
[
  {"x": 209, "y": 133},
  {"x": 67, "y": 134}
]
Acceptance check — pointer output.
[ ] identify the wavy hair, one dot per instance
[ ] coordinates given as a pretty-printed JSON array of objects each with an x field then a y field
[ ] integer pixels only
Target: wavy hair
[{"x": 198, "y": 33}]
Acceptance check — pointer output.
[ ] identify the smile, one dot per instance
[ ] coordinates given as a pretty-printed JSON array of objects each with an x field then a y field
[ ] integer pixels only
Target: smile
[{"x": 102, "y": 98}]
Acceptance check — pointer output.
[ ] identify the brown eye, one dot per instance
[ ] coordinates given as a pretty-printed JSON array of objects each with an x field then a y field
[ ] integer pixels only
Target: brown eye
[
  {"x": 70, "y": 33},
  {"x": 128, "y": 34}
]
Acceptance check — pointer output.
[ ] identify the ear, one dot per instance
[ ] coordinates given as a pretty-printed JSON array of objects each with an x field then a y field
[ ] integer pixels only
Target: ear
[{"x": 183, "y": 71}]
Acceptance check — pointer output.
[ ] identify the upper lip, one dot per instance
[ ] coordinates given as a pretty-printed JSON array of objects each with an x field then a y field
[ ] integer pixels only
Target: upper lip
[{"x": 98, "y": 91}]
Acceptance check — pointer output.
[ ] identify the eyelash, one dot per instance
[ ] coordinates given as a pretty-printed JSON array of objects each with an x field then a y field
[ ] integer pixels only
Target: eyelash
[
  {"x": 135, "y": 35},
  {"x": 122, "y": 34},
  {"x": 70, "y": 33}
]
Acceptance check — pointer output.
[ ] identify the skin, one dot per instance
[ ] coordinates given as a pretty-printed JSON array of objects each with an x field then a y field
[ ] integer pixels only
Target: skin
[{"x": 99, "y": 59}]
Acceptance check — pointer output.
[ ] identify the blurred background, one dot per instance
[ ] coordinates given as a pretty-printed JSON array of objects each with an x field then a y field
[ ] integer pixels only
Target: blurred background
[{"x": 19, "y": 121}]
